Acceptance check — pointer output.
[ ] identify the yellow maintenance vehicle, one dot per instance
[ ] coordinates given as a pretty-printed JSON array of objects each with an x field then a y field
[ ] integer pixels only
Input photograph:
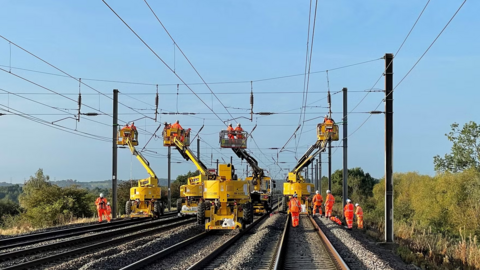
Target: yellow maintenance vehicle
[
  {"x": 262, "y": 184},
  {"x": 295, "y": 183},
  {"x": 219, "y": 200},
  {"x": 145, "y": 197}
]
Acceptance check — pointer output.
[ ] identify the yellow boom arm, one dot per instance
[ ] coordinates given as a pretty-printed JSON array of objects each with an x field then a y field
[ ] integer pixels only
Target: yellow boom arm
[
  {"x": 187, "y": 154},
  {"x": 153, "y": 180}
]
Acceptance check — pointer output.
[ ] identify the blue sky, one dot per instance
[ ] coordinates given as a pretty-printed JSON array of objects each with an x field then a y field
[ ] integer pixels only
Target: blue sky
[{"x": 232, "y": 41}]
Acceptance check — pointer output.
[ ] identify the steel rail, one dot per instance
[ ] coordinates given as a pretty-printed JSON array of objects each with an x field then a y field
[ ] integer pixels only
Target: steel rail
[
  {"x": 14, "y": 254},
  {"x": 56, "y": 257},
  {"x": 33, "y": 238}
]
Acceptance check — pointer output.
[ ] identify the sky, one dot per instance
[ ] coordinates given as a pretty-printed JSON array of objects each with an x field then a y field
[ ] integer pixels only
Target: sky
[{"x": 234, "y": 46}]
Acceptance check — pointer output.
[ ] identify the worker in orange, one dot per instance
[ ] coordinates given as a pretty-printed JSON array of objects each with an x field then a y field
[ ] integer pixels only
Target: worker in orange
[
  {"x": 348, "y": 213},
  {"x": 177, "y": 125},
  {"x": 329, "y": 202},
  {"x": 109, "y": 209},
  {"x": 135, "y": 132},
  {"x": 238, "y": 131},
  {"x": 230, "y": 132},
  {"x": 317, "y": 203},
  {"x": 295, "y": 207},
  {"x": 101, "y": 204},
  {"x": 359, "y": 214}
]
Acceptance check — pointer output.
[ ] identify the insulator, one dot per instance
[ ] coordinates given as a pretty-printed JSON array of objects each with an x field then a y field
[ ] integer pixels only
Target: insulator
[
  {"x": 156, "y": 100},
  {"x": 79, "y": 101},
  {"x": 328, "y": 98},
  {"x": 251, "y": 99}
]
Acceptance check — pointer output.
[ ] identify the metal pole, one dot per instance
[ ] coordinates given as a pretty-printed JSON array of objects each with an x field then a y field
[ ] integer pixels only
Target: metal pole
[
  {"x": 217, "y": 166},
  {"x": 231, "y": 160},
  {"x": 345, "y": 157},
  {"x": 311, "y": 175},
  {"x": 389, "y": 148},
  {"x": 198, "y": 147},
  {"x": 114, "y": 153},
  {"x": 316, "y": 177},
  {"x": 330, "y": 164},
  {"x": 320, "y": 172},
  {"x": 169, "y": 157}
]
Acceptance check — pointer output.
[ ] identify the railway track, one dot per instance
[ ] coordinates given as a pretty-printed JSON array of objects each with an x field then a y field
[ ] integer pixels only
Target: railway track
[
  {"x": 34, "y": 238},
  {"x": 306, "y": 247},
  {"x": 211, "y": 235},
  {"x": 147, "y": 229}
]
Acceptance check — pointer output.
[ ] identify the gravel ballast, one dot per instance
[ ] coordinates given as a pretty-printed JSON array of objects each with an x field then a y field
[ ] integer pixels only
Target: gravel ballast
[
  {"x": 360, "y": 253},
  {"x": 116, "y": 257},
  {"x": 193, "y": 253},
  {"x": 253, "y": 249}
]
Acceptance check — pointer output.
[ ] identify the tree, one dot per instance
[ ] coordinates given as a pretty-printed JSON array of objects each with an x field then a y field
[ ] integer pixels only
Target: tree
[{"x": 465, "y": 150}]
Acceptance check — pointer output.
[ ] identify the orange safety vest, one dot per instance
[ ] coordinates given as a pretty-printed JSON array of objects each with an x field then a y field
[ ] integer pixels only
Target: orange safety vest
[
  {"x": 348, "y": 210},
  {"x": 359, "y": 212},
  {"x": 317, "y": 199},
  {"x": 239, "y": 134},
  {"x": 330, "y": 200},
  {"x": 294, "y": 205},
  {"x": 133, "y": 127},
  {"x": 109, "y": 209},
  {"x": 177, "y": 126},
  {"x": 101, "y": 203}
]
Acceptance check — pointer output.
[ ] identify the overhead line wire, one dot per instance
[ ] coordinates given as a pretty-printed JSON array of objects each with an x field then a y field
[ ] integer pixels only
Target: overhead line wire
[{"x": 161, "y": 60}]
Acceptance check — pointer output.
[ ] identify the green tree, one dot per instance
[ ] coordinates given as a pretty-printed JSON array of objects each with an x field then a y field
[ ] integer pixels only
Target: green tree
[
  {"x": 10, "y": 192},
  {"x": 465, "y": 151}
]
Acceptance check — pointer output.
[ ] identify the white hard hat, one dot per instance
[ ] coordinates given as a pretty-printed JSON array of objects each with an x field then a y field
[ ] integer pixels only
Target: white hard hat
[
  {"x": 239, "y": 124},
  {"x": 348, "y": 200},
  {"x": 328, "y": 191},
  {"x": 357, "y": 204},
  {"x": 101, "y": 195},
  {"x": 230, "y": 124},
  {"x": 178, "y": 121},
  {"x": 326, "y": 116},
  {"x": 295, "y": 195},
  {"x": 108, "y": 203},
  {"x": 317, "y": 192}
]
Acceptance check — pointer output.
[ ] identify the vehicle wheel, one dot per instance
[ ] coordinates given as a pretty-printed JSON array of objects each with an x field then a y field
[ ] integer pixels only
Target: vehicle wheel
[
  {"x": 179, "y": 205},
  {"x": 201, "y": 213},
  {"x": 128, "y": 208},
  {"x": 158, "y": 208},
  {"x": 248, "y": 213},
  {"x": 244, "y": 224}
]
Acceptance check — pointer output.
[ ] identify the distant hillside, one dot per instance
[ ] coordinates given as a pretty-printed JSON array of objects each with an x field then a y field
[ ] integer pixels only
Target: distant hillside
[
  {"x": 94, "y": 184},
  {"x": 5, "y": 184}
]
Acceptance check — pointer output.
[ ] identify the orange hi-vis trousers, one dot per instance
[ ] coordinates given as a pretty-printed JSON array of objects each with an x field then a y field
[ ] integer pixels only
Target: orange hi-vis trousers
[
  {"x": 349, "y": 220},
  {"x": 328, "y": 210},
  {"x": 317, "y": 208},
  {"x": 360, "y": 222},
  {"x": 102, "y": 212},
  {"x": 295, "y": 219}
]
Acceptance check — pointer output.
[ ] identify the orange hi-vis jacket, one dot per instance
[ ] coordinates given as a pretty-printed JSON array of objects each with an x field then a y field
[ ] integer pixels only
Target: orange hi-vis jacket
[
  {"x": 239, "y": 134},
  {"x": 101, "y": 203},
  {"x": 359, "y": 211},
  {"x": 348, "y": 210},
  {"x": 330, "y": 201},
  {"x": 294, "y": 205},
  {"x": 317, "y": 199},
  {"x": 177, "y": 126}
]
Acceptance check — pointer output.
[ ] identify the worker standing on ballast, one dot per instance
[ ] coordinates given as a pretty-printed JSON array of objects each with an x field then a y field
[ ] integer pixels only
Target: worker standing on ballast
[
  {"x": 348, "y": 213},
  {"x": 359, "y": 214},
  {"x": 101, "y": 204},
  {"x": 109, "y": 209},
  {"x": 317, "y": 203},
  {"x": 295, "y": 207},
  {"x": 330, "y": 201}
]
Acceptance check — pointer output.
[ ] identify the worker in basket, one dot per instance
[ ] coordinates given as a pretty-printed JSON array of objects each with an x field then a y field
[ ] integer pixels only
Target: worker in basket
[
  {"x": 238, "y": 131},
  {"x": 295, "y": 207},
  {"x": 101, "y": 204},
  {"x": 317, "y": 203},
  {"x": 359, "y": 214},
  {"x": 329, "y": 202},
  {"x": 230, "y": 131},
  {"x": 177, "y": 126},
  {"x": 135, "y": 132},
  {"x": 348, "y": 213}
]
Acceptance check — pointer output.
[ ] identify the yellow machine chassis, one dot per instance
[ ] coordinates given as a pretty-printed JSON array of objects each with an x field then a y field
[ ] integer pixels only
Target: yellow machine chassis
[
  {"x": 303, "y": 191},
  {"x": 228, "y": 193},
  {"x": 192, "y": 195}
]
